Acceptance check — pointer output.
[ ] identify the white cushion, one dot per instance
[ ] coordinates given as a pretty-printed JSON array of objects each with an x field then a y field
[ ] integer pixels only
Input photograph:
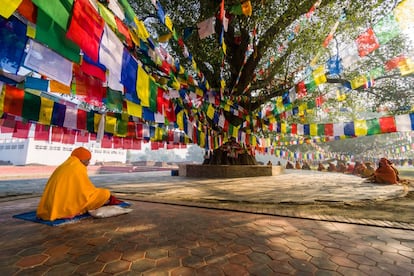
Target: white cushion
[{"x": 109, "y": 211}]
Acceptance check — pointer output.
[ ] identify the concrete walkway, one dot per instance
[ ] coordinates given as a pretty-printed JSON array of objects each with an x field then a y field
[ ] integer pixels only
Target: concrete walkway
[{"x": 169, "y": 234}]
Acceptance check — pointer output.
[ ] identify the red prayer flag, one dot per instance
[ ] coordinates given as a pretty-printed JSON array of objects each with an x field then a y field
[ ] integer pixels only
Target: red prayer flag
[
  {"x": 124, "y": 31},
  {"x": 329, "y": 130},
  {"x": 57, "y": 133},
  {"x": 86, "y": 28},
  {"x": 294, "y": 129},
  {"x": 387, "y": 124},
  {"x": 93, "y": 70},
  {"x": 136, "y": 144},
  {"x": 394, "y": 63},
  {"x": 154, "y": 145},
  {"x": 117, "y": 142},
  {"x": 106, "y": 142},
  {"x": 127, "y": 143},
  {"x": 69, "y": 136},
  {"x": 7, "y": 124},
  {"x": 21, "y": 130},
  {"x": 13, "y": 100},
  {"x": 81, "y": 119},
  {"x": 82, "y": 137},
  {"x": 367, "y": 42},
  {"x": 301, "y": 89},
  {"x": 28, "y": 10},
  {"x": 41, "y": 132}
]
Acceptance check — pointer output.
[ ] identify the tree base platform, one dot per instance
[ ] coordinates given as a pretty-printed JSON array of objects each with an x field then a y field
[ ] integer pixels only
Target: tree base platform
[{"x": 227, "y": 171}]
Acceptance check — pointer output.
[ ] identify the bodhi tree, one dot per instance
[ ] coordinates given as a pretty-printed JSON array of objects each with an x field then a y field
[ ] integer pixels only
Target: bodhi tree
[{"x": 261, "y": 59}]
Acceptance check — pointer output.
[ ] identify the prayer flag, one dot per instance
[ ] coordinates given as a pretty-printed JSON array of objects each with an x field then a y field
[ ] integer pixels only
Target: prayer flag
[
  {"x": 404, "y": 14},
  {"x": 134, "y": 109},
  {"x": 31, "y": 107},
  {"x": 110, "y": 55},
  {"x": 361, "y": 128},
  {"x": 81, "y": 119},
  {"x": 21, "y": 130},
  {"x": 7, "y": 7},
  {"x": 349, "y": 129},
  {"x": 358, "y": 82},
  {"x": 206, "y": 27},
  {"x": 404, "y": 122},
  {"x": 60, "y": 10},
  {"x": 86, "y": 28},
  {"x": 13, "y": 43},
  {"x": 328, "y": 131},
  {"x": 13, "y": 100},
  {"x": 367, "y": 42},
  {"x": 58, "y": 114},
  {"x": 46, "y": 110},
  {"x": 41, "y": 132},
  {"x": 28, "y": 10},
  {"x": 70, "y": 117},
  {"x": 319, "y": 75},
  {"x": 386, "y": 29},
  {"x": 129, "y": 75},
  {"x": 373, "y": 127},
  {"x": 47, "y": 62},
  {"x": 57, "y": 133},
  {"x": 68, "y": 136},
  {"x": 143, "y": 91},
  {"x": 387, "y": 124},
  {"x": 406, "y": 67},
  {"x": 49, "y": 33},
  {"x": 338, "y": 129},
  {"x": 349, "y": 55}
]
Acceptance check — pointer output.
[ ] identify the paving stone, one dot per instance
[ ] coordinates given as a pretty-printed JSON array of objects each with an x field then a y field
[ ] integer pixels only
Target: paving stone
[
  {"x": 32, "y": 260},
  {"x": 117, "y": 266}
]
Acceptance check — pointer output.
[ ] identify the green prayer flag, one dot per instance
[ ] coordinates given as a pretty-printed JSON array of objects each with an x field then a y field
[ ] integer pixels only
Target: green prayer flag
[
  {"x": 236, "y": 9},
  {"x": 60, "y": 10},
  {"x": 311, "y": 86},
  {"x": 114, "y": 99},
  {"x": 90, "y": 121},
  {"x": 31, "y": 107},
  {"x": 373, "y": 127},
  {"x": 48, "y": 32},
  {"x": 153, "y": 95},
  {"x": 321, "y": 129},
  {"x": 386, "y": 29}
]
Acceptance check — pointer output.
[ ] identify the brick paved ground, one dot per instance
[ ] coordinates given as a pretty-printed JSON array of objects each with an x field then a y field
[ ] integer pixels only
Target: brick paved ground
[{"x": 162, "y": 239}]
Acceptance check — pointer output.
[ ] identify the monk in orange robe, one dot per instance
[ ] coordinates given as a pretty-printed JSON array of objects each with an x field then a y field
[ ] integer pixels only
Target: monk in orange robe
[
  {"x": 385, "y": 173},
  {"x": 69, "y": 191}
]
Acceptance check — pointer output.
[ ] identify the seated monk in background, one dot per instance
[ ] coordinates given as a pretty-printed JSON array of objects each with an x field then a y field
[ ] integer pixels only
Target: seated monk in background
[
  {"x": 289, "y": 165},
  {"x": 305, "y": 166},
  {"x": 385, "y": 173},
  {"x": 69, "y": 192},
  {"x": 297, "y": 165},
  {"x": 331, "y": 167},
  {"x": 367, "y": 170},
  {"x": 341, "y": 167},
  {"x": 321, "y": 167}
]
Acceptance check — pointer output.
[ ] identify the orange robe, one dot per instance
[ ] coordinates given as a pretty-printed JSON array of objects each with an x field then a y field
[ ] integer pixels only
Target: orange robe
[
  {"x": 385, "y": 175},
  {"x": 69, "y": 192}
]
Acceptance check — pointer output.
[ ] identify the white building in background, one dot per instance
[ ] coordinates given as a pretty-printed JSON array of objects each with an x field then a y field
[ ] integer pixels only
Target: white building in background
[{"x": 30, "y": 151}]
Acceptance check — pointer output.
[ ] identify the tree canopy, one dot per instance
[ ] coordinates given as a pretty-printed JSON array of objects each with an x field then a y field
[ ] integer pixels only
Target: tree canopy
[{"x": 272, "y": 56}]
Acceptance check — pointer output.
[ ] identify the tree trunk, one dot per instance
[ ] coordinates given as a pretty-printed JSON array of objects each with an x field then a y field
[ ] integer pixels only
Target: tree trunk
[{"x": 230, "y": 153}]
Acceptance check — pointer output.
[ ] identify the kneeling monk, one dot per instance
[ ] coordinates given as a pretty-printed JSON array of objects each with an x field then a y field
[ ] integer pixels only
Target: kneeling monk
[
  {"x": 385, "y": 173},
  {"x": 69, "y": 191}
]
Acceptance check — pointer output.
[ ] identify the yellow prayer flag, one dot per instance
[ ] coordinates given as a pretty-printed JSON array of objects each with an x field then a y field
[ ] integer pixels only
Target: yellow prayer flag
[
  {"x": 253, "y": 140},
  {"x": 31, "y": 31},
  {"x": 404, "y": 14},
  {"x": 210, "y": 111},
  {"x": 283, "y": 127},
  {"x": 180, "y": 120},
  {"x": 96, "y": 120},
  {"x": 164, "y": 38},
  {"x": 168, "y": 23},
  {"x": 134, "y": 109},
  {"x": 361, "y": 128},
  {"x": 358, "y": 81},
  {"x": 46, "y": 110},
  {"x": 340, "y": 96},
  {"x": 227, "y": 107},
  {"x": 202, "y": 140},
  {"x": 7, "y": 7},
  {"x": 2, "y": 95},
  {"x": 313, "y": 129},
  {"x": 143, "y": 89},
  {"x": 224, "y": 47},
  {"x": 110, "y": 124},
  {"x": 319, "y": 75},
  {"x": 141, "y": 29},
  {"x": 107, "y": 16},
  {"x": 235, "y": 133},
  {"x": 406, "y": 67},
  {"x": 199, "y": 92}
]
